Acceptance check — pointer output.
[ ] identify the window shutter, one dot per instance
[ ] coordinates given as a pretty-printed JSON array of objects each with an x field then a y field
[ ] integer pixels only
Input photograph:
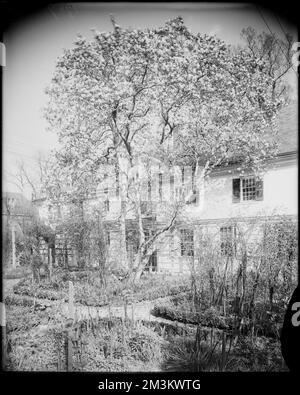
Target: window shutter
[
  {"x": 259, "y": 186},
  {"x": 236, "y": 190}
]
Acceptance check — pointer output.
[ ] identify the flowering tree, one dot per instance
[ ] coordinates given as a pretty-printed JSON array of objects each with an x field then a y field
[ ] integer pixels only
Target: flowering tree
[{"x": 166, "y": 94}]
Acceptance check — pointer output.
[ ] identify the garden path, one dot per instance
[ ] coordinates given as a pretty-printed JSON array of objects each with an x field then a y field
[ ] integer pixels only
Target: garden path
[{"x": 139, "y": 311}]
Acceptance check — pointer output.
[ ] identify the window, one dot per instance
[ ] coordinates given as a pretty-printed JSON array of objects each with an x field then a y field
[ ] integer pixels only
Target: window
[
  {"x": 106, "y": 205},
  {"x": 193, "y": 176},
  {"x": 187, "y": 242},
  {"x": 182, "y": 176},
  {"x": 247, "y": 188},
  {"x": 132, "y": 241},
  {"x": 227, "y": 238},
  {"x": 180, "y": 193},
  {"x": 152, "y": 263}
]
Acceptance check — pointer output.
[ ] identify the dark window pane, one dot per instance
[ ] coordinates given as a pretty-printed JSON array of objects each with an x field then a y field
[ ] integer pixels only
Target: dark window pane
[
  {"x": 187, "y": 242},
  {"x": 236, "y": 182}
]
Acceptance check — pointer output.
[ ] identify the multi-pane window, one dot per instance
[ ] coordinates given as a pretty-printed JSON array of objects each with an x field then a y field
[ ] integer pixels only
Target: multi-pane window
[
  {"x": 187, "y": 242},
  {"x": 247, "y": 188},
  {"x": 132, "y": 241},
  {"x": 152, "y": 263},
  {"x": 106, "y": 205},
  {"x": 227, "y": 239},
  {"x": 180, "y": 193}
]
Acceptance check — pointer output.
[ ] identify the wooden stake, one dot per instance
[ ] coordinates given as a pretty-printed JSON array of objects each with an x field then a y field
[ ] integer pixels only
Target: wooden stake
[{"x": 50, "y": 263}]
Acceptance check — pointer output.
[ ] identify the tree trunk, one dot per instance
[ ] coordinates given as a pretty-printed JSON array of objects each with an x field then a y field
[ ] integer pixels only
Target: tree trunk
[
  {"x": 140, "y": 260},
  {"x": 122, "y": 190}
]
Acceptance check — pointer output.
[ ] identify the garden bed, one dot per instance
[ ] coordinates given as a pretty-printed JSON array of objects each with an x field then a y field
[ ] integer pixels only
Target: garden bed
[
  {"x": 108, "y": 344},
  {"x": 265, "y": 323},
  {"x": 90, "y": 291}
]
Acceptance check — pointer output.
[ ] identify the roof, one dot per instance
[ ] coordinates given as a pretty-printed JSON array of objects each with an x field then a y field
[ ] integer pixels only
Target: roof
[{"x": 288, "y": 128}]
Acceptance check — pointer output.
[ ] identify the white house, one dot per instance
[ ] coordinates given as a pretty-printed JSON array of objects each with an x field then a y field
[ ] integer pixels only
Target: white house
[{"x": 225, "y": 199}]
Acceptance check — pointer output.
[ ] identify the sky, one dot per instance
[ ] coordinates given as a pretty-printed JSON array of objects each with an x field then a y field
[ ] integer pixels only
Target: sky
[{"x": 33, "y": 45}]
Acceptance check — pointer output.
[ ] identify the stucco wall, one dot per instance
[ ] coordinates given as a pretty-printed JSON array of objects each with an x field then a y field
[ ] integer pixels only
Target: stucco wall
[{"x": 280, "y": 196}]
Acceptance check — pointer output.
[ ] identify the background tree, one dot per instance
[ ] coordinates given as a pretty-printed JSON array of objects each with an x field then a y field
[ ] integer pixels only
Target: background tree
[{"x": 276, "y": 53}]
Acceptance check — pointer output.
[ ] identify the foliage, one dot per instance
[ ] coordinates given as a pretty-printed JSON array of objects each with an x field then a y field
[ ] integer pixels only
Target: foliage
[
  {"x": 260, "y": 354},
  {"x": 22, "y": 318},
  {"x": 113, "y": 346},
  {"x": 210, "y": 317},
  {"x": 89, "y": 289},
  {"x": 107, "y": 345},
  {"x": 43, "y": 290},
  {"x": 275, "y": 52},
  {"x": 16, "y": 273},
  {"x": 85, "y": 235},
  {"x": 129, "y": 97},
  {"x": 159, "y": 73}
]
